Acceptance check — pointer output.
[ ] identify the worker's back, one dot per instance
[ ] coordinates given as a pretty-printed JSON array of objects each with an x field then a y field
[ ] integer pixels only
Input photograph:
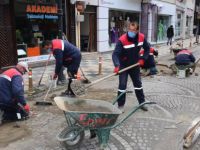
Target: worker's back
[{"x": 184, "y": 57}]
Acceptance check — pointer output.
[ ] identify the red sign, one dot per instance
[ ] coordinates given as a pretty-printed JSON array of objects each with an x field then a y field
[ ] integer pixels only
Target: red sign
[{"x": 42, "y": 9}]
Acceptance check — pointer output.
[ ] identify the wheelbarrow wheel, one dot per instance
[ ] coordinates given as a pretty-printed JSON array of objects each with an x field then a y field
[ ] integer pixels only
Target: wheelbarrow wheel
[{"x": 70, "y": 132}]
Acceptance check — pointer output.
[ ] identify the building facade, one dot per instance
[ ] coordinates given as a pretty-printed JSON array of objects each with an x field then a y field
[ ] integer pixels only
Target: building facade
[
  {"x": 99, "y": 25},
  {"x": 8, "y": 54},
  {"x": 112, "y": 19}
]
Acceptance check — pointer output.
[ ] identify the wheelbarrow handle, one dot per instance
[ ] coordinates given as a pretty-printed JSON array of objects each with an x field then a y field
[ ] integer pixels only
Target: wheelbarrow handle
[
  {"x": 113, "y": 74},
  {"x": 130, "y": 113}
]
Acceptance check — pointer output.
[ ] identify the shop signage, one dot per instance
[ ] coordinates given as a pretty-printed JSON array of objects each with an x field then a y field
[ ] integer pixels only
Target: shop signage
[
  {"x": 43, "y": 16},
  {"x": 42, "y": 9}
]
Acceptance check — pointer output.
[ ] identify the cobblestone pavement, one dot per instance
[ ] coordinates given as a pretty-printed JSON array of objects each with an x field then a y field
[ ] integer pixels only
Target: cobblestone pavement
[{"x": 161, "y": 128}]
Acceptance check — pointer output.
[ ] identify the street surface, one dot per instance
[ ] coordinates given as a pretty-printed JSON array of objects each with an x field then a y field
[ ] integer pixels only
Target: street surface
[{"x": 161, "y": 128}]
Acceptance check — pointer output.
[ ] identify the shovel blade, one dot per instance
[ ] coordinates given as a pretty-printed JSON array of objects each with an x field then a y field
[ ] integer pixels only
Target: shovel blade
[{"x": 78, "y": 87}]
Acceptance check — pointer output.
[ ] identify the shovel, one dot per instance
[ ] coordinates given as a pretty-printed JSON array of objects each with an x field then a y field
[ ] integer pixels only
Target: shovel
[
  {"x": 86, "y": 80},
  {"x": 44, "y": 102},
  {"x": 79, "y": 89},
  {"x": 47, "y": 62}
]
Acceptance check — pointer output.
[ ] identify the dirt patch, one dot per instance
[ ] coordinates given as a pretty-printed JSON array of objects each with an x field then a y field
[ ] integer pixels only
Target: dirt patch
[
  {"x": 83, "y": 106},
  {"x": 10, "y": 133},
  {"x": 164, "y": 70}
]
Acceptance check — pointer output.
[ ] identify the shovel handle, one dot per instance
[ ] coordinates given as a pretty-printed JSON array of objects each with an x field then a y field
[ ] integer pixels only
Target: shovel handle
[
  {"x": 113, "y": 74},
  {"x": 44, "y": 69},
  {"x": 51, "y": 84}
]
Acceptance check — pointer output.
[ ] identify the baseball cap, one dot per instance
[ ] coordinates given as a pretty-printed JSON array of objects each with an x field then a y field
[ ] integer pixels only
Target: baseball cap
[{"x": 24, "y": 64}]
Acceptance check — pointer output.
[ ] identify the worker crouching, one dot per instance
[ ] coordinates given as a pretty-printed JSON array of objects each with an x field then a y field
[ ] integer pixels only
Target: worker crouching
[{"x": 13, "y": 105}]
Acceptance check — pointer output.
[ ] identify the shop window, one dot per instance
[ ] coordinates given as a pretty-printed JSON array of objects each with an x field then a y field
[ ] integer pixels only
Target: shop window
[
  {"x": 163, "y": 24},
  {"x": 118, "y": 24},
  {"x": 32, "y": 29}
]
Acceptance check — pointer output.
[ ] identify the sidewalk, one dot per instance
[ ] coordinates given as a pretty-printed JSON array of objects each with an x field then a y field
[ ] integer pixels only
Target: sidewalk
[
  {"x": 90, "y": 64},
  {"x": 162, "y": 127}
]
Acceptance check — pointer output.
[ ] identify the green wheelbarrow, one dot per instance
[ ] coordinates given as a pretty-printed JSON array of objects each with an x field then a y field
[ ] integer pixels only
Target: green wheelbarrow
[{"x": 96, "y": 115}]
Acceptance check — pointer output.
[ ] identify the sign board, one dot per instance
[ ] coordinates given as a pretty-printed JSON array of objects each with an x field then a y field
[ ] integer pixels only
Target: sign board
[{"x": 42, "y": 9}]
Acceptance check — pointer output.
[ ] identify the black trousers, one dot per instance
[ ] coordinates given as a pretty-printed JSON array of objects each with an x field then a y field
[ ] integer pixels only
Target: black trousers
[
  {"x": 136, "y": 79},
  {"x": 72, "y": 71},
  {"x": 10, "y": 112},
  {"x": 169, "y": 41}
]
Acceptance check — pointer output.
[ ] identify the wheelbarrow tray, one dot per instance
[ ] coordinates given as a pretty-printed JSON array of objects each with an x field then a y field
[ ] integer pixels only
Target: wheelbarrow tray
[{"x": 88, "y": 112}]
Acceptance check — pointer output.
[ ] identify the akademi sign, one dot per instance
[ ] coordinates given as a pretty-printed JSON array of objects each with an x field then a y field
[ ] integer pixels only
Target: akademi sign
[{"x": 42, "y": 9}]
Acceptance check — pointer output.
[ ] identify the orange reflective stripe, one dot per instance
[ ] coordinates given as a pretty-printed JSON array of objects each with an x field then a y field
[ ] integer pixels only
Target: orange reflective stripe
[
  {"x": 57, "y": 44},
  {"x": 11, "y": 72},
  {"x": 127, "y": 44}
]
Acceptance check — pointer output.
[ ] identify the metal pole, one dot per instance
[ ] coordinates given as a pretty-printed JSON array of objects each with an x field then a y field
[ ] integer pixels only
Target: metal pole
[
  {"x": 100, "y": 65},
  {"x": 66, "y": 19},
  {"x": 60, "y": 19}
]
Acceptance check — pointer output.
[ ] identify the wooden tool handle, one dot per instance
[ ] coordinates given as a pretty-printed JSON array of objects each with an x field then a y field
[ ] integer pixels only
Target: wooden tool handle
[
  {"x": 44, "y": 69},
  {"x": 113, "y": 74}
]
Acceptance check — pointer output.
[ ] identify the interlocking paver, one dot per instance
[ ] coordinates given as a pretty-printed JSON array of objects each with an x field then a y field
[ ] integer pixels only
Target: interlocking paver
[{"x": 162, "y": 127}]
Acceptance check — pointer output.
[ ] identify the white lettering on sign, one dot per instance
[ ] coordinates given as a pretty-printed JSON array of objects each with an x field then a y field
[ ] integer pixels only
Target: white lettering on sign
[{"x": 34, "y": 16}]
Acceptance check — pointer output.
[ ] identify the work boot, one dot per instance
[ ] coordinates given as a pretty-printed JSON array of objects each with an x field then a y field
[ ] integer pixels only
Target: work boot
[
  {"x": 121, "y": 108},
  {"x": 61, "y": 82},
  {"x": 144, "y": 108},
  {"x": 92, "y": 134},
  {"x": 67, "y": 93}
]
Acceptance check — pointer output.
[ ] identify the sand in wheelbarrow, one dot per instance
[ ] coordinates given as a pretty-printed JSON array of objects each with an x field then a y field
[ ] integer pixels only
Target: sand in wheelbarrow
[
  {"x": 100, "y": 94},
  {"x": 83, "y": 106},
  {"x": 10, "y": 133}
]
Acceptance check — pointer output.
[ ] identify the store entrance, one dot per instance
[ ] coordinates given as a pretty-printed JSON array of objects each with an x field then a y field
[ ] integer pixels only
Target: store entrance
[
  {"x": 118, "y": 24},
  {"x": 88, "y": 30},
  {"x": 163, "y": 24}
]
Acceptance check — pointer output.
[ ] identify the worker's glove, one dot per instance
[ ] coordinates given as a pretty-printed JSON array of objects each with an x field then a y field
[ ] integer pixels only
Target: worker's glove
[
  {"x": 141, "y": 62},
  {"x": 55, "y": 76},
  {"x": 116, "y": 70},
  {"x": 27, "y": 108}
]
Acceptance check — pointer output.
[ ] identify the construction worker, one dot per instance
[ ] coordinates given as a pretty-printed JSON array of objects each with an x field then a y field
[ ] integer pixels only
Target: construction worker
[
  {"x": 66, "y": 55},
  {"x": 186, "y": 59},
  {"x": 126, "y": 53},
  {"x": 150, "y": 64},
  {"x": 13, "y": 105}
]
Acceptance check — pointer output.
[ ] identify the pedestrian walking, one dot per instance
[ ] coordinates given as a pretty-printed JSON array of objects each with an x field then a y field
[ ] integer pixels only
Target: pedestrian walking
[
  {"x": 126, "y": 53},
  {"x": 66, "y": 55},
  {"x": 150, "y": 64},
  {"x": 13, "y": 105},
  {"x": 170, "y": 34}
]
